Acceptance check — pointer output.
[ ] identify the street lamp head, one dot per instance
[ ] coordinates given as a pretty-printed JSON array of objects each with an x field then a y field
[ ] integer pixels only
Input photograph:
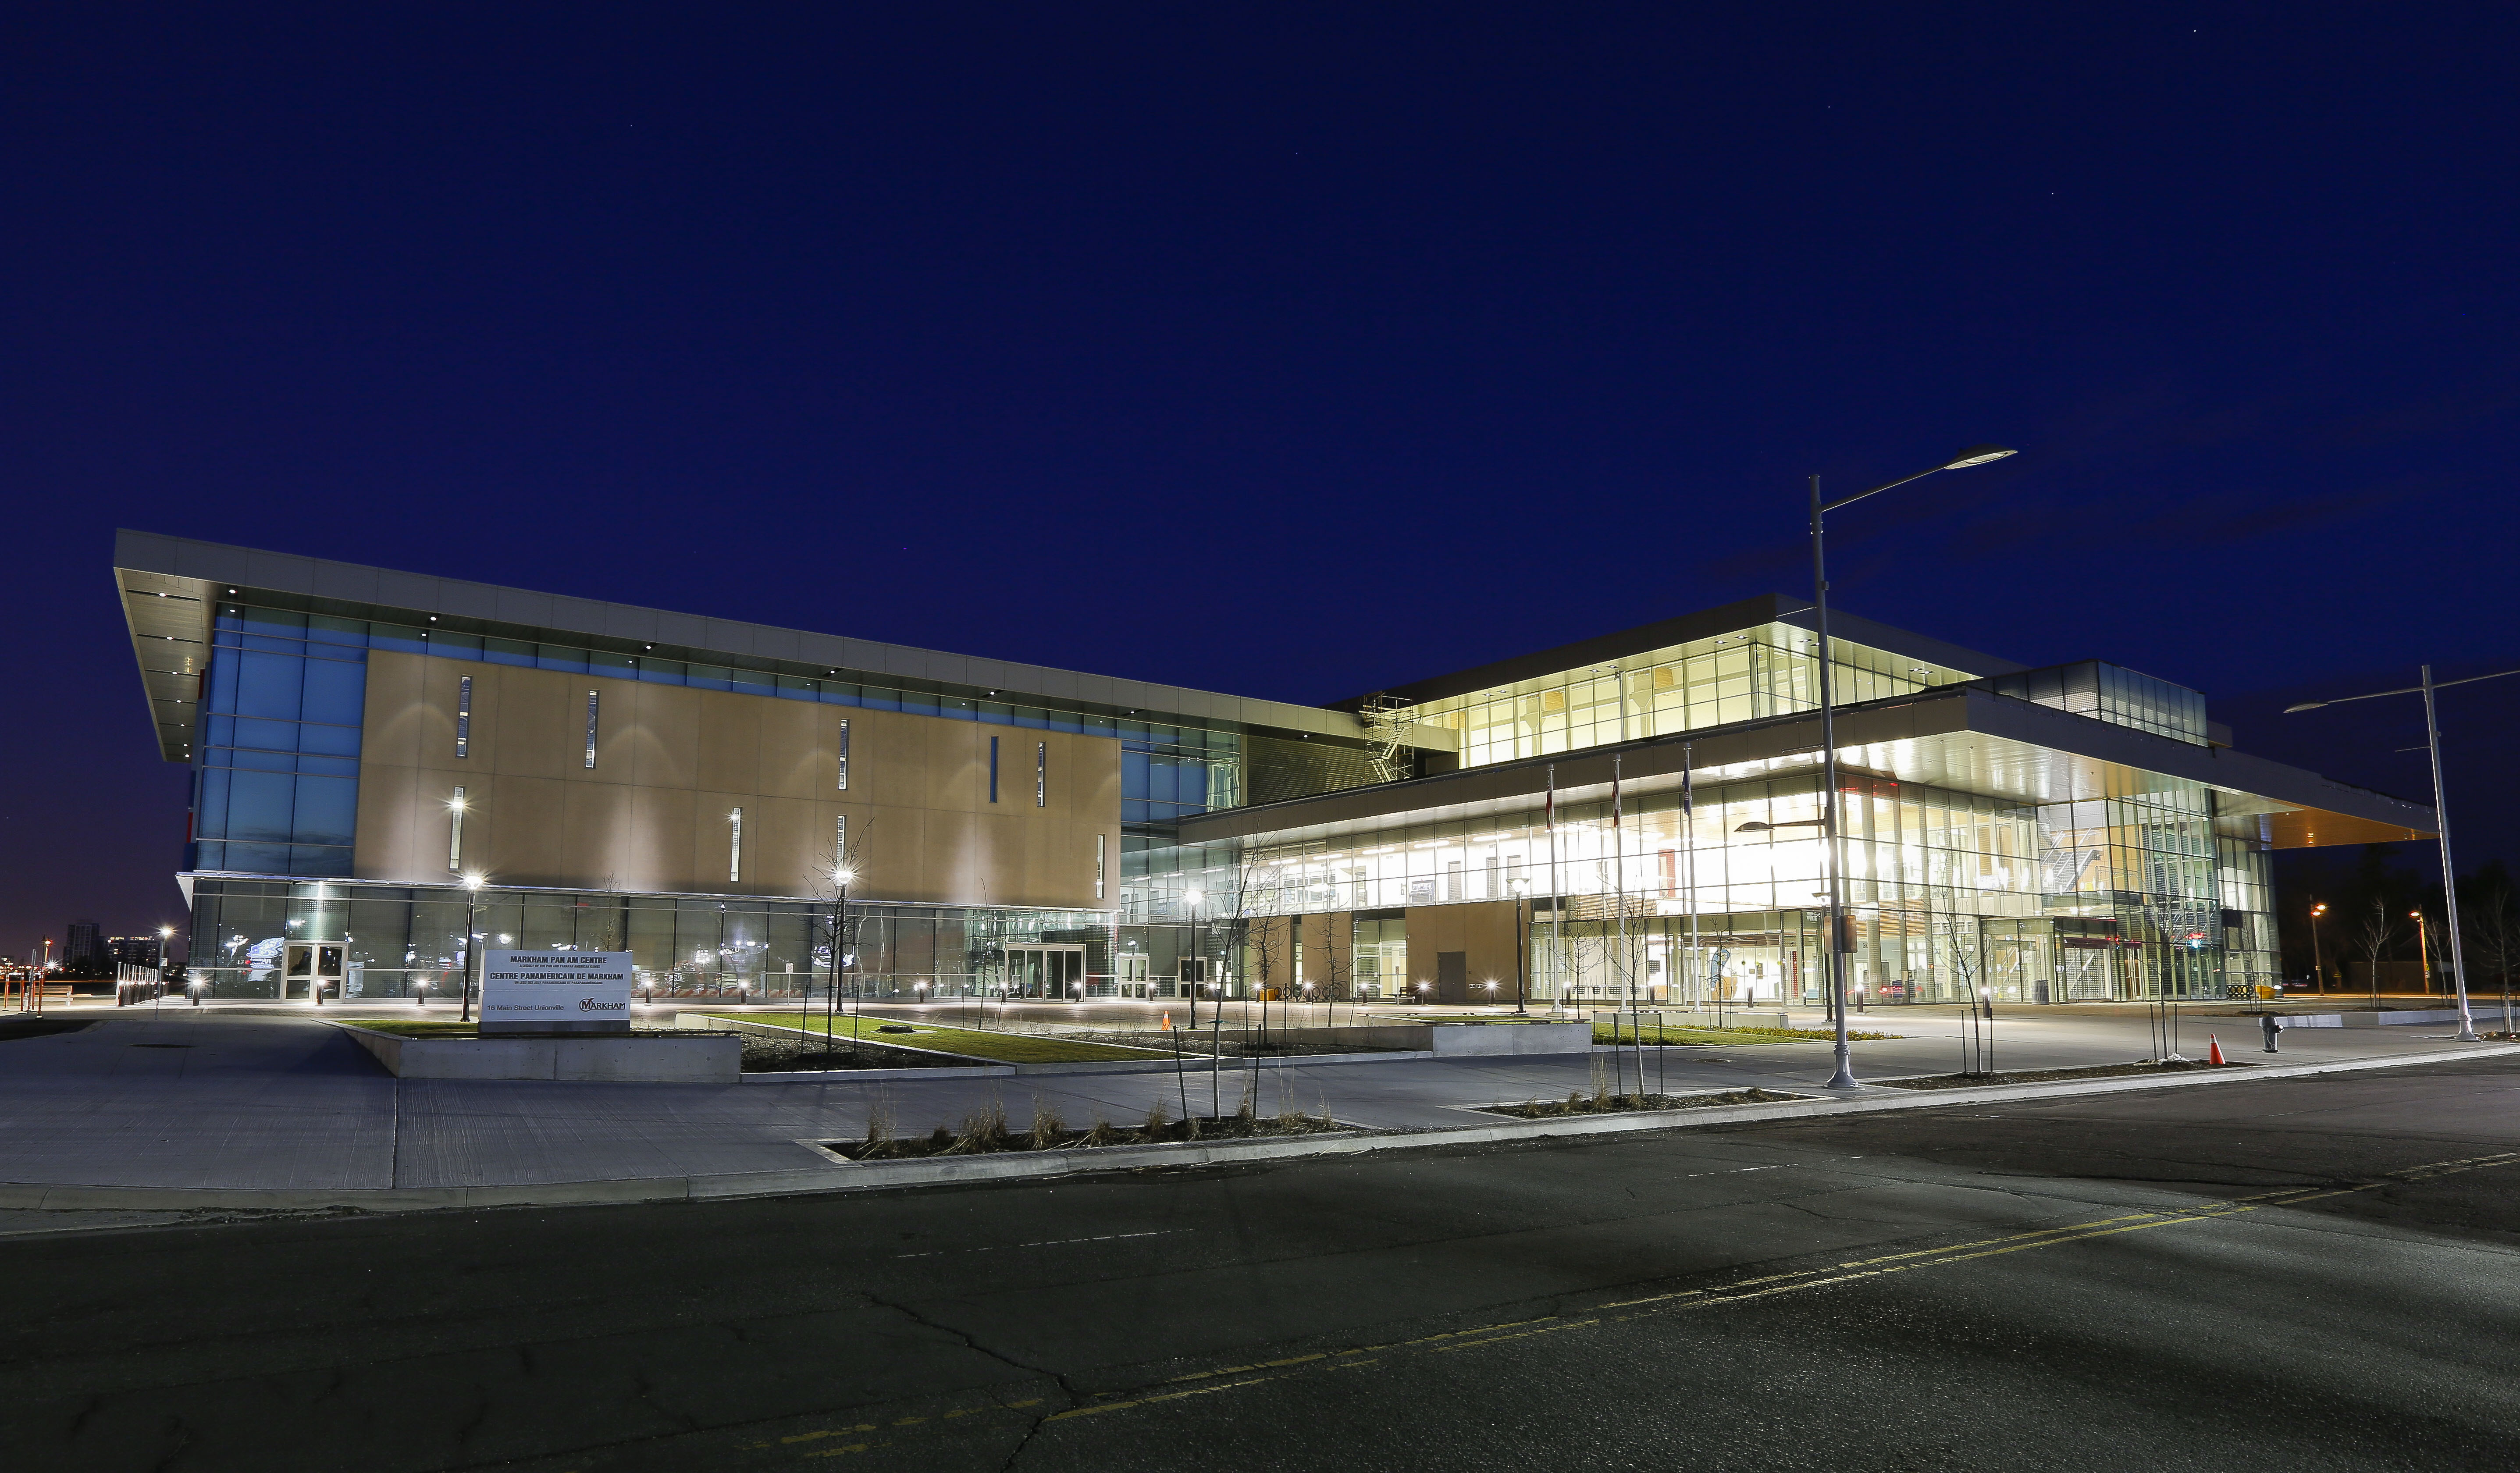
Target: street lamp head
[
  {"x": 471, "y": 882},
  {"x": 2307, "y": 705},
  {"x": 843, "y": 875},
  {"x": 165, "y": 933},
  {"x": 1977, "y": 454},
  {"x": 1193, "y": 896}
]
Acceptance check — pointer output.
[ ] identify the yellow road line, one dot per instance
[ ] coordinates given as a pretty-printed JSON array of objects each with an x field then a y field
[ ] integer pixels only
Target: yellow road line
[
  {"x": 1170, "y": 1395},
  {"x": 1762, "y": 1287},
  {"x": 1572, "y": 1324},
  {"x": 814, "y": 1437}
]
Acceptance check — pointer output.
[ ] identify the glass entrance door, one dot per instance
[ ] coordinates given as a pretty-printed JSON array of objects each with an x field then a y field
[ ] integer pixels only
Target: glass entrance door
[
  {"x": 310, "y": 968},
  {"x": 1045, "y": 971}
]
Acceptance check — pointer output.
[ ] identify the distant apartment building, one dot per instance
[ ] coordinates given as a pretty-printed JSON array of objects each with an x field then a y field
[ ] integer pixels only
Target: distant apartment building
[{"x": 83, "y": 947}]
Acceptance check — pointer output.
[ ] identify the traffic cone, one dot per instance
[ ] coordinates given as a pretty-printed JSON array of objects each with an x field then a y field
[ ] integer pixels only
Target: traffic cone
[
  {"x": 2214, "y": 1051},
  {"x": 1164, "y": 1023}
]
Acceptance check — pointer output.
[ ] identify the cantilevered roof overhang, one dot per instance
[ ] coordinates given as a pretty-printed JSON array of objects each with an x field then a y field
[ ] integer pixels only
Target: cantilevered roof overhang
[
  {"x": 171, "y": 587},
  {"x": 1702, "y": 624},
  {"x": 1956, "y": 737}
]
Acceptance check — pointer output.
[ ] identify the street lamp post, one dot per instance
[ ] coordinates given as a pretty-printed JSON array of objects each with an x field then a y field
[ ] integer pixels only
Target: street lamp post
[
  {"x": 841, "y": 875},
  {"x": 1198, "y": 955},
  {"x": 2441, "y": 819},
  {"x": 1976, "y": 455},
  {"x": 2318, "y": 968},
  {"x": 472, "y": 904}
]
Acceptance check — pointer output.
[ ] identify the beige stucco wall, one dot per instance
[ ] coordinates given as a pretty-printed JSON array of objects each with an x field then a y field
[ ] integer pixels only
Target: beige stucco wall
[{"x": 673, "y": 761}]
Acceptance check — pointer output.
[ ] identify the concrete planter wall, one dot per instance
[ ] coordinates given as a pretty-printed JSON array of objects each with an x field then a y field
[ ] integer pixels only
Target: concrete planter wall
[{"x": 691, "y": 1059}]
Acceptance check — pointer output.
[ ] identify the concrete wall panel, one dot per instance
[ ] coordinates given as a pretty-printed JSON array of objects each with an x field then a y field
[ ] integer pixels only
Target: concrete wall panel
[{"x": 672, "y": 762}]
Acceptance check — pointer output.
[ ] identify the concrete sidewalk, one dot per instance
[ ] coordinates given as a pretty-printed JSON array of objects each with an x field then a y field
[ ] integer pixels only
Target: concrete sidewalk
[{"x": 202, "y": 1102}]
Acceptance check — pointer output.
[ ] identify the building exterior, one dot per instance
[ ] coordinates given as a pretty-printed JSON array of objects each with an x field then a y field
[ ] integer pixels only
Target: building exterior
[
  {"x": 83, "y": 947},
  {"x": 133, "y": 950},
  {"x": 1630, "y": 816}
]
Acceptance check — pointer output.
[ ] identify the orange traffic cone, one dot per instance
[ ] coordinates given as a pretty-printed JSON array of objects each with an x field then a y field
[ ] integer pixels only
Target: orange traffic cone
[
  {"x": 2214, "y": 1051},
  {"x": 1164, "y": 1023}
]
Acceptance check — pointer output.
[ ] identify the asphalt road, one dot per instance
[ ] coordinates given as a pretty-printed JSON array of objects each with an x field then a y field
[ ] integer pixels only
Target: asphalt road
[{"x": 2297, "y": 1274}]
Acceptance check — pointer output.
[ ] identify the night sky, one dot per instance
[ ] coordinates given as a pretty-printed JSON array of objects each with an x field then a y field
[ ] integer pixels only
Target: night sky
[{"x": 1285, "y": 352}]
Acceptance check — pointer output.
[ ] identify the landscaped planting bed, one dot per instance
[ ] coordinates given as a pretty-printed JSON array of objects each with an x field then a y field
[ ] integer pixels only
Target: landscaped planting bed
[
  {"x": 2036, "y": 1076},
  {"x": 1683, "y": 1037},
  {"x": 1605, "y": 1103},
  {"x": 988, "y": 1132}
]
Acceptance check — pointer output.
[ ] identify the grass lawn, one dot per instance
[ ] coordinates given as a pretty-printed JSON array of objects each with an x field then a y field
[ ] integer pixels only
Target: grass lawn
[{"x": 1006, "y": 1048}]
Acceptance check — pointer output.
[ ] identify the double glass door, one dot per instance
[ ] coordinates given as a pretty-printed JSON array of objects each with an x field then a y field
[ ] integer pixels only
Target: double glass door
[
  {"x": 311, "y": 968},
  {"x": 1045, "y": 971}
]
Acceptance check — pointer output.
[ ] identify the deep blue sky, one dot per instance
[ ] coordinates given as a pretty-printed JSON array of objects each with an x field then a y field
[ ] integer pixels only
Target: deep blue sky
[{"x": 1292, "y": 353}]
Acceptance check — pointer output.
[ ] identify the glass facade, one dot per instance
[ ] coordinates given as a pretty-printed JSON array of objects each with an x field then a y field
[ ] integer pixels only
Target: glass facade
[
  {"x": 2112, "y": 694},
  {"x": 1949, "y": 892},
  {"x": 276, "y": 763},
  {"x": 1771, "y": 670},
  {"x": 404, "y": 942}
]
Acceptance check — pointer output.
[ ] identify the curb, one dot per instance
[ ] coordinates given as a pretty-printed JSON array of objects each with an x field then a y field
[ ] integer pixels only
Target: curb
[{"x": 1037, "y": 1166}]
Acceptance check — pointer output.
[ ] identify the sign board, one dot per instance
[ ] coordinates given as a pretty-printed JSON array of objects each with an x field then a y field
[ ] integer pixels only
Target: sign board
[{"x": 565, "y": 991}]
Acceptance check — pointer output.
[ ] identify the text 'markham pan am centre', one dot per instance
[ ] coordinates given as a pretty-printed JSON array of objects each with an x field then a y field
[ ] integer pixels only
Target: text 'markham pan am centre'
[{"x": 1630, "y": 816}]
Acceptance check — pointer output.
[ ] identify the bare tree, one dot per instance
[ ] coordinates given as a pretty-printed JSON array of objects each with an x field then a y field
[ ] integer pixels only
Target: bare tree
[
  {"x": 2493, "y": 920},
  {"x": 1337, "y": 963},
  {"x": 2377, "y": 936}
]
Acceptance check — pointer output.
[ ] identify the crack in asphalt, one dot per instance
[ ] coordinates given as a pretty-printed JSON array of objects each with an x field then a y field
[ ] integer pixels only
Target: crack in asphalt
[{"x": 1033, "y": 1424}]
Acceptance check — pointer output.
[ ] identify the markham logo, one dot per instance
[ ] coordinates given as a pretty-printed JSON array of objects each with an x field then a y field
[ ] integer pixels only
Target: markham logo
[{"x": 591, "y": 1004}]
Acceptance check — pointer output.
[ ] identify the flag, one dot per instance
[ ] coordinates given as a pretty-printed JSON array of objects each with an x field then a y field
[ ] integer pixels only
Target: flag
[
  {"x": 1614, "y": 793},
  {"x": 1687, "y": 796}
]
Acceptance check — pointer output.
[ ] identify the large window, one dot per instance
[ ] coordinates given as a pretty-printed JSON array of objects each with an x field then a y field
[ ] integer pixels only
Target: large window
[
  {"x": 276, "y": 766},
  {"x": 1771, "y": 670}
]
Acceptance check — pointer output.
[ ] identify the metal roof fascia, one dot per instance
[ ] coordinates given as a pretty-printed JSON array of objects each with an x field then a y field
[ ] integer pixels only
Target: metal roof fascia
[{"x": 224, "y": 566}]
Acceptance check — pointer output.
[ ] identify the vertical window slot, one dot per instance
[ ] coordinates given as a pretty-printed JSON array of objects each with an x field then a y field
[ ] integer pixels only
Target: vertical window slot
[
  {"x": 993, "y": 769},
  {"x": 1099, "y": 840},
  {"x": 734, "y": 847},
  {"x": 844, "y": 754},
  {"x": 455, "y": 828},
  {"x": 1041, "y": 775},
  {"x": 463, "y": 718},
  {"x": 591, "y": 699}
]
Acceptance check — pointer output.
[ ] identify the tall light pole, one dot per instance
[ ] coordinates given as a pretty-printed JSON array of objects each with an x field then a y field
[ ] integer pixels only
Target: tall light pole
[
  {"x": 1976, "y": 455},
  {"x": 1198, "y": 974},
  {"x": 2441, "y": 819},
  {"x": 841, "y": 874},
  {"x": 471, "y": 903},
  {"x": 2318, "y": 968}
]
